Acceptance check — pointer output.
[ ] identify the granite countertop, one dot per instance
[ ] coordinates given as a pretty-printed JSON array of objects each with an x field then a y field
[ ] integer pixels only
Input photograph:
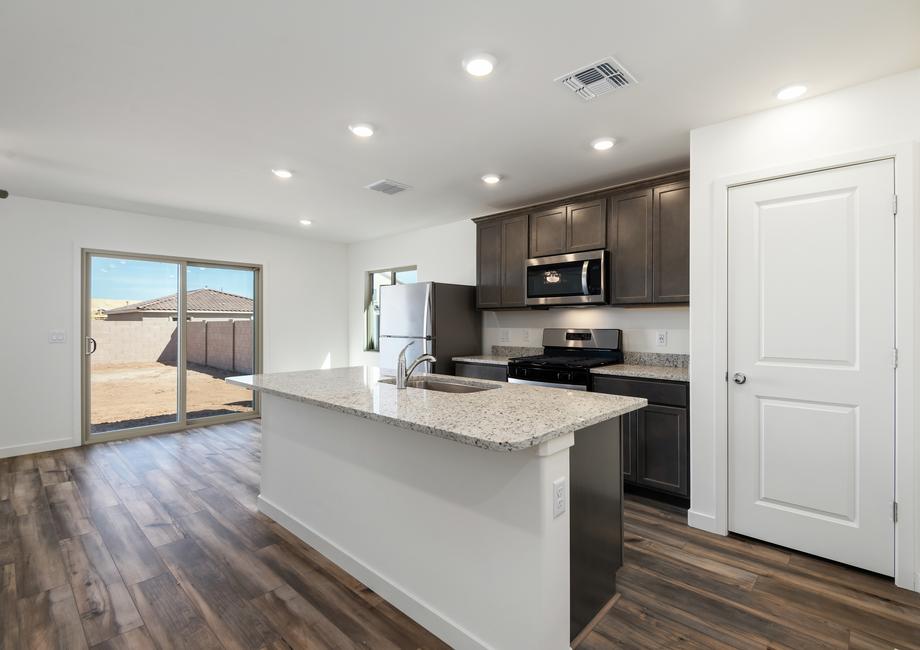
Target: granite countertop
[
  {"x": 637, "y": 370},
  {"x": 510, "y": 417},
  {"x": 668, "y": 373}
]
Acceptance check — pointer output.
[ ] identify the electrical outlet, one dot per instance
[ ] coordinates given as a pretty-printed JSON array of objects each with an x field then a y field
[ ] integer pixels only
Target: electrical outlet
[
  {"x": 504, "y": 335},
  {"x": 525, "y": 335},
  {"x": 559, "y": 497},
  {"x": 661, "y": 338}
]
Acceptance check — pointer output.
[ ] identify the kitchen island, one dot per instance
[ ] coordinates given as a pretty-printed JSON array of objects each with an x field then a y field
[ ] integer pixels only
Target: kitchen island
[{"x": 493, "y": 517}]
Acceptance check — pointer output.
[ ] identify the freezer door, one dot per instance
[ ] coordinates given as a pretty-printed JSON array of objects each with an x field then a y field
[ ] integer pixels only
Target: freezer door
[
  {"x": 391, "y": 345},
  {"x": 405, "y": 310}
]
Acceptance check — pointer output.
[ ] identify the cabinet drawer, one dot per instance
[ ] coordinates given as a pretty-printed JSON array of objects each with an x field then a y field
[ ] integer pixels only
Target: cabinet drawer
[
  {"x": 481, "y": 371},
  {"x": 656, "y": 392}
]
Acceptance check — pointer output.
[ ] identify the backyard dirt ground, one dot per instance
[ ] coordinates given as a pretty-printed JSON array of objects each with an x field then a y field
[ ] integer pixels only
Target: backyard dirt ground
[{"x": 138, "y": 394}]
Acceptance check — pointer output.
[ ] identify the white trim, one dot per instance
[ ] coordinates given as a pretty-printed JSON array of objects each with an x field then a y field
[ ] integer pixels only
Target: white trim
[
  {"x": 703, "y": 521},
  {"x": 35, "y": 447},
  {"x": 907, "y": 180},
  {"x": 416, "y": 609}
]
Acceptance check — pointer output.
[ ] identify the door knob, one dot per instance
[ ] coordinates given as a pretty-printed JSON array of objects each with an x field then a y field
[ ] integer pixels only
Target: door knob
[{"x": 739, "y": 378}]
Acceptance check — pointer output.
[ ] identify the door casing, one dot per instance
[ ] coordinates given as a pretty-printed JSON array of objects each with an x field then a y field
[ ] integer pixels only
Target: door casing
[
  {"x": 182, "y": 423},
  {"x": 907, "y": 413}
]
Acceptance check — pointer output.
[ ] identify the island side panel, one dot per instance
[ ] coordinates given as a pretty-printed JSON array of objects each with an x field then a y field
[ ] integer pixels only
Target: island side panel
[
  {"x": 597, "y": 519},
  {"x": 461, "y": 539}
]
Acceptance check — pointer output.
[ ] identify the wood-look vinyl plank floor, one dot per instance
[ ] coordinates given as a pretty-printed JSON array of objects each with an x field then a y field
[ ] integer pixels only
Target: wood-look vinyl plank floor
[{"x": 156, "y": 543}]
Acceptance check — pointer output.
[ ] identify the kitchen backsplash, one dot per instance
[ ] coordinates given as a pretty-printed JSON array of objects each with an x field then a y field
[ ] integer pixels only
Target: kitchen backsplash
[{"x": 641, "y": 327}]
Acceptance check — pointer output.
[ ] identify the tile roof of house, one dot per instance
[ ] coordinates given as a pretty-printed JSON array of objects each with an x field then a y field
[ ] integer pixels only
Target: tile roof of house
[{"x": 199, "y": 300}]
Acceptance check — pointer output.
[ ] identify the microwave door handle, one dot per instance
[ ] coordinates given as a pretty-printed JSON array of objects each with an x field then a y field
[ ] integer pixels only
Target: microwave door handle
[{"x": 584, "y": 278}]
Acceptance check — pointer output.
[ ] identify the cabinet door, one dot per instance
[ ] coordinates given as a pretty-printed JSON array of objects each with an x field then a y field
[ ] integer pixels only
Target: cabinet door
[
  {"x": 586, "y": 226},
  {"x": 489, "y": 264},
  {"x": 547, "y": 232},
  {"x": 661, "y": 449},
  {"x": 481, "y": 371},
  {"x": 630, "y": 425},
  {"x": 671, "y": 250},
  {"x": 514, "y": 259},
  {"x": 630, "y": 236}
]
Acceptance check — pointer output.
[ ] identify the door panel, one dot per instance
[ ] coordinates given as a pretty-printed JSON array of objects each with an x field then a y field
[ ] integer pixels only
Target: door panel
[
  {"x": 630, "y": 236},
  {"x": 514, "y": 259},
  {"x": 586, "y": 228},
  {"x": 405, "y": 310},
  {"x": 133, "y": 370},
  {"x": 661, "y": 444},
  {"x": 489, "y": 264},
  {"x": 811, "y": 327},
  {"x": 671, "y": 248},
  {"x": 547, "y": 232}
]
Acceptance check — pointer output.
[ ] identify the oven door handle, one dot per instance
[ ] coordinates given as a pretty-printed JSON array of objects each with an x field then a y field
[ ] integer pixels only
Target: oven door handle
[{"x": 584, "y": 278}]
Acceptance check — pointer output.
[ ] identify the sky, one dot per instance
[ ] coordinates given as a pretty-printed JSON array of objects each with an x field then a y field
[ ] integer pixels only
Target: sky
[{"x": 136, "y": 280}]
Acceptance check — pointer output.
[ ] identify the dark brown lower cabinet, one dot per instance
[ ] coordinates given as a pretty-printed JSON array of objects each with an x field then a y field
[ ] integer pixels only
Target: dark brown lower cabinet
[
  {"x": 481, "y": 371},
  {"x": 656, "y": 439}
]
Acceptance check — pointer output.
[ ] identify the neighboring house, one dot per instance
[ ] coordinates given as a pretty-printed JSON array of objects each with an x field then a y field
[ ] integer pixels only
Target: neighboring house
[{"x": 203, "y": 304}]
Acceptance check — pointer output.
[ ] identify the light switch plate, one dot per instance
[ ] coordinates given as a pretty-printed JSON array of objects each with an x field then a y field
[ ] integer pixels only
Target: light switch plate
[{"x": 57, "y": 336}]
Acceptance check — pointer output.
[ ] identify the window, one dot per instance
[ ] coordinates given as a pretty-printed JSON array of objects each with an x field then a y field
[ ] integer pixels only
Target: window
[{"x": 375, "y": 280}]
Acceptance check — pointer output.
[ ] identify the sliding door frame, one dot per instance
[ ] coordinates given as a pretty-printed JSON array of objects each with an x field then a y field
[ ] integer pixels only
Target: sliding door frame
[{"x": 182, "y": 420}]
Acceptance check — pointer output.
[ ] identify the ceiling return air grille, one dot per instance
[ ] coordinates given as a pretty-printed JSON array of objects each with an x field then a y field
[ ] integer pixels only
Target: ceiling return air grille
[
  {"x": 388, "y": 187},
  {"x": 597, "y": 79}
]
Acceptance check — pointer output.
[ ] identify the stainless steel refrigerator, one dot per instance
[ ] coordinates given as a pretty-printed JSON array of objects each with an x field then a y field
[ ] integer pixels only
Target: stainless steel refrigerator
[{"x": 435, "y": 318}]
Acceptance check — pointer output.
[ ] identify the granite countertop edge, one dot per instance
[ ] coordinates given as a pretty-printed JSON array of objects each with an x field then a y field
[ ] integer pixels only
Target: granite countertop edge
[{"x": 444, "y": 433}]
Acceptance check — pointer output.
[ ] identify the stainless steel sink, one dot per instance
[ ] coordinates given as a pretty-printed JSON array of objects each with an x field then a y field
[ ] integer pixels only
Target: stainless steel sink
[{"x": 440, "y": 386}]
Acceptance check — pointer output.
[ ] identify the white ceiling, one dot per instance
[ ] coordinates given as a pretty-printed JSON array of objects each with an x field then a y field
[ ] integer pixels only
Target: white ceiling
[{"x": 182, "y": 108}]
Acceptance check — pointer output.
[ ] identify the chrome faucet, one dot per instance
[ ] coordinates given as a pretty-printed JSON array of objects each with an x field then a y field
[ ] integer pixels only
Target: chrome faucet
[{"x": 402, "y": 375}]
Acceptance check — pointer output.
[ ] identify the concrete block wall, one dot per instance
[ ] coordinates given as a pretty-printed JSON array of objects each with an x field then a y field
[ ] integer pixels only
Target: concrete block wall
[{"x": 227, "y": 345}]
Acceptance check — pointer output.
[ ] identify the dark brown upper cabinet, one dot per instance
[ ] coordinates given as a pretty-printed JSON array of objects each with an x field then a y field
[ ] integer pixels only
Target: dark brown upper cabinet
[
  {"x": 586, "y": 226},
  {"x": 649, "y": 235},
  {"x": 547, "y": 232},
  {"x": 501, "y": 253},
  {"x": 569, "y": 229},
  {"x": 489, "y": 264},
  {"x": 630, "y": 236},
  {"x": 671, "y": 243},
  {"x": 644, "y": 225}
]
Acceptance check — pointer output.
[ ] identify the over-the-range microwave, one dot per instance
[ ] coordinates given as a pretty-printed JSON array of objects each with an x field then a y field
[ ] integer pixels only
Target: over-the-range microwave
[{"x": 572, "y": 279}]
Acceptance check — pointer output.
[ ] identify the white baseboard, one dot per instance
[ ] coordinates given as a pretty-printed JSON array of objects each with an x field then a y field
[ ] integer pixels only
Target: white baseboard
[
  {"x": 35, "y": 447},
  {"x": 704, "y": 521},
  {"x": 429, "y": 618}
]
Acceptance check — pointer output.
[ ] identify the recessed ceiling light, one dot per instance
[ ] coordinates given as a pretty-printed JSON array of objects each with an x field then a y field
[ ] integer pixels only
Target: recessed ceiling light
[
  {"x": 282, "y": 173},
  {"x": 491, "y": 179},
  {"x": 791, "y": 92},
  {"x": 305, "y": 222},
  {"x": 479, "y": 65},
  {"x": 603, "y": 144},
  {"x": 361, "y": 130}
]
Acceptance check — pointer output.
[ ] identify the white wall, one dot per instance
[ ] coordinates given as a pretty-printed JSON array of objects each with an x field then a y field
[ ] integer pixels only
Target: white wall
[
  {"x": 881, "y": 113},
  {"x": 448, "y": 254},
  {"x": 304, "y": 303}
]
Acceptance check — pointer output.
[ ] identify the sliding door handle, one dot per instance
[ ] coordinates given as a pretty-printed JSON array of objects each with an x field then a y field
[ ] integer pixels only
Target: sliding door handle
[{"x": 89, "y": 345}]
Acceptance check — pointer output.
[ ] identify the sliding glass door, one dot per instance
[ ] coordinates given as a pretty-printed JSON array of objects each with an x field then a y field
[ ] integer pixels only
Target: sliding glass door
[{"x": 160, "y": 337}]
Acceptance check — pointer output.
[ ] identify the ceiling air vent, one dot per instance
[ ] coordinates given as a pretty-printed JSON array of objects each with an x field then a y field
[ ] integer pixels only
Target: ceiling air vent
[
  {"x": 388, "y": 187},
  {"x": 597, "y": 79}
]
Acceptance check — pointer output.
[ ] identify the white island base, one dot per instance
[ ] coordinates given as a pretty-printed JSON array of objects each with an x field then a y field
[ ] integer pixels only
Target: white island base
[{"x": 461, "y": 539}]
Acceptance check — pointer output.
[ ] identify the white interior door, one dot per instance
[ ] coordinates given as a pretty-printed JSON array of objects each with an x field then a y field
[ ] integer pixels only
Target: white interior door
[{"x": 811, "y": 336}]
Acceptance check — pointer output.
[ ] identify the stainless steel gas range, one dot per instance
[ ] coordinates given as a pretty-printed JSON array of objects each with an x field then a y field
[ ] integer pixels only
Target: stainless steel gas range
[{"x": 568, "y": 357}]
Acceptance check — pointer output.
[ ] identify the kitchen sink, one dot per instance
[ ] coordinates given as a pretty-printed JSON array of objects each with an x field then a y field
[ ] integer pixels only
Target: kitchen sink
[{"x": 440, "y": 386}]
